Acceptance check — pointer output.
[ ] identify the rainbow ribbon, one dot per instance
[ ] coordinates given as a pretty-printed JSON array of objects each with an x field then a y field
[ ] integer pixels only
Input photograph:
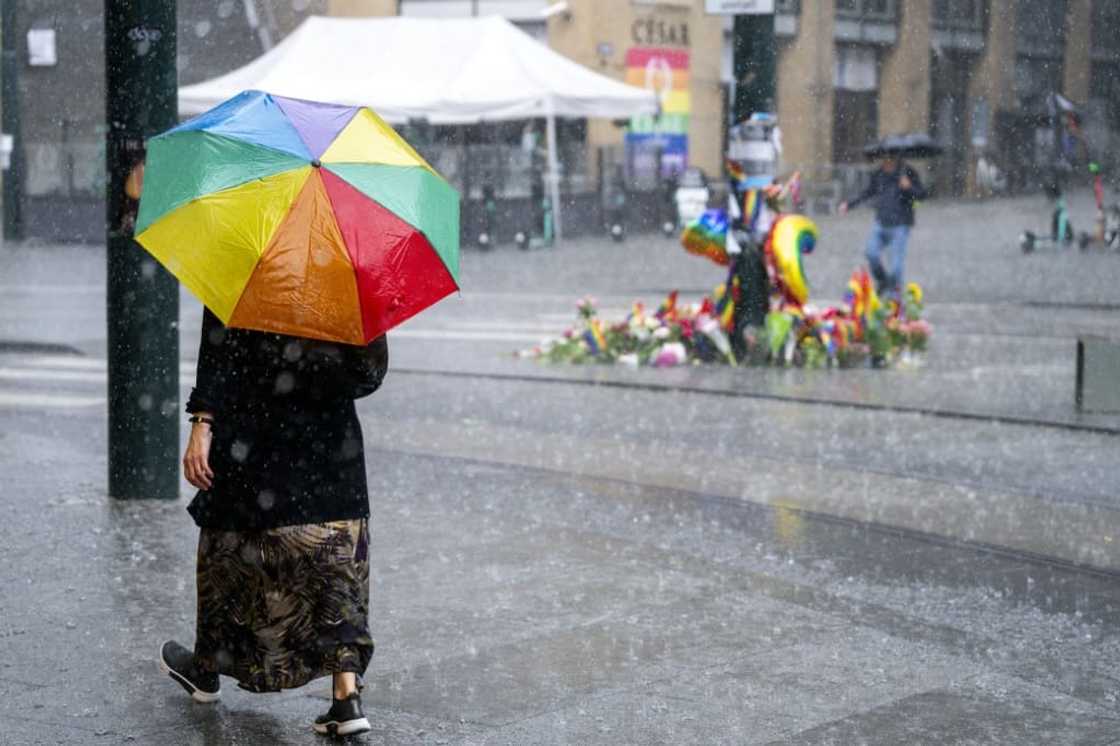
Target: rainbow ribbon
[{"x": 594, "y": 337}]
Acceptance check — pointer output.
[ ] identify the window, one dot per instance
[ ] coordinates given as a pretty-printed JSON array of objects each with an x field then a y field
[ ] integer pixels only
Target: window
[
  {"x": 966, "y": 15},
  {"x": 1104, "y": 87},
  {"x": 855, "y": 123},
  {"x": 868, "y": 10},
  {"x": 787, "y": 7},
  {"x": 1041, "y": 27},
  {"x": 1106, "y": 22},
  {"x": 1035, "y": 79},
  {"x": 66, "y": 160}
]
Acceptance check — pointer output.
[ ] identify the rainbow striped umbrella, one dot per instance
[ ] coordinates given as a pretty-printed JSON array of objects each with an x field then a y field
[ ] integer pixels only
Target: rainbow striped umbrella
[{"x": 300, "y": 218}]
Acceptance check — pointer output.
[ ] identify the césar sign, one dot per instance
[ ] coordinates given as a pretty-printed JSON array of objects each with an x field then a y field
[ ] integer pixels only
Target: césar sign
[{"x": 739, "y": 7}]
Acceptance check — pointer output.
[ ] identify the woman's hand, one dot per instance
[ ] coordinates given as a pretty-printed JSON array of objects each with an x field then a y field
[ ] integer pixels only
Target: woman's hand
[{"x": 196, "y": 461}]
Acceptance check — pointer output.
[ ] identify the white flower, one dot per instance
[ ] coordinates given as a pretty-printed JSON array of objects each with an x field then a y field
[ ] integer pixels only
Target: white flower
[
  {"x": 661, "y": 332},
  {"x": 670, "y": 354}
]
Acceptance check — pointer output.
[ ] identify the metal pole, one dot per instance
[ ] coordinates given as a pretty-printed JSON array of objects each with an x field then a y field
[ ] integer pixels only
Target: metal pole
[
  {"x": 755, "y": 59},
  {"x": 554, "y": 172},
  {"x": 9, "y": 91},
  {"x": 756, "y": 63},
  {"x": 255, "y": 25},
  {"x": 142, "y": 299}
]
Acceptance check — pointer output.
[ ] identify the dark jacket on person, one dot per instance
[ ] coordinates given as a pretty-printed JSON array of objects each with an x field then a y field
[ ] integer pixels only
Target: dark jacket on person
[
  {"x": 893, "y": 205},
  {"x": 287, "y": 445}
]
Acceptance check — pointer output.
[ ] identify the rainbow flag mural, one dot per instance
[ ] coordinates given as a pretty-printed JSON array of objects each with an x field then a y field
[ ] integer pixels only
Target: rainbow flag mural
[{"x": 666, "y": 72}]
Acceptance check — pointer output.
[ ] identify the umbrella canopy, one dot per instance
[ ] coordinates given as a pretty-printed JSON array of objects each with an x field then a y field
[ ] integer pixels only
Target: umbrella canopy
[
  {"x": 301, "y": 218},
  {"x": 913, "y": 145}
]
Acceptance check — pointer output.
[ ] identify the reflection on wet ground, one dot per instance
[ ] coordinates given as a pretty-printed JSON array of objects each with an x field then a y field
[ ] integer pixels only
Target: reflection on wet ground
[
  {"x": 690, "y": 556},
  {"x": 520, "y": 605}
]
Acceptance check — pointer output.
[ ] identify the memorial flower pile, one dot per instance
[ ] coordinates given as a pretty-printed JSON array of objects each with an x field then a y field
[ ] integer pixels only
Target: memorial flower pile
[
  {"x": 862, "y": 330},
  {"x": 669, "y": 336}
]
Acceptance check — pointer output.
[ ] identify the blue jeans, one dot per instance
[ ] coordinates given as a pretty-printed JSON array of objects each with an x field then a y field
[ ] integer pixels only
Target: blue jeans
[{"x": 894, "y": 238}]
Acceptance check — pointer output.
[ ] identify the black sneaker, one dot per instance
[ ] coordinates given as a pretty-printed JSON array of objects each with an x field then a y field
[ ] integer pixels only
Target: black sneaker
[
  {"x": 345, "y": 718},
  {"x": 178, "y": 663}
]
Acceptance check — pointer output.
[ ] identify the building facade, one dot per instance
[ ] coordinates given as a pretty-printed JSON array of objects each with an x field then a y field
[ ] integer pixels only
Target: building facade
[
  {"x": 977, "y": 74},
  {"x": 59, "y": 68}
]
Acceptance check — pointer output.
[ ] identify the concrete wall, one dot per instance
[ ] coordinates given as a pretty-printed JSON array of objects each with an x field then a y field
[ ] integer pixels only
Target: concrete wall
[
  {"x": 362, "y": 8},
  {"x": 994, "y": 75},
  {"x": 904, "y": 82},
  {"x": 594, "y": 27},
  {"x": 1078, "y": 53},
  {"x": 708, "y": 115},
  {"x": 577, "y": 36},
  {"x": 805, "y": 92}
]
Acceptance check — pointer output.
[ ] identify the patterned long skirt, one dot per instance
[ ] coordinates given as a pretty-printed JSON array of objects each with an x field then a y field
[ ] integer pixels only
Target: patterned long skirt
[{"x": 280, "y": 607}]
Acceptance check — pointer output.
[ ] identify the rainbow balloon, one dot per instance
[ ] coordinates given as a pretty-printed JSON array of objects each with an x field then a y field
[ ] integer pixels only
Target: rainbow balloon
[
  {"x": 707, "y": 237},
  {"x": 793, "y": 236}
]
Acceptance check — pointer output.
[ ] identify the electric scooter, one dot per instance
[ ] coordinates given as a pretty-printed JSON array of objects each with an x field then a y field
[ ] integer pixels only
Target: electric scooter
[{"x": 1061, "y": 233}]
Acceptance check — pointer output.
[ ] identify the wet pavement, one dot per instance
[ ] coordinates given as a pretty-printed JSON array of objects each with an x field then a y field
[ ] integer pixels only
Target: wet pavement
[{"x": 602, "y": 556}]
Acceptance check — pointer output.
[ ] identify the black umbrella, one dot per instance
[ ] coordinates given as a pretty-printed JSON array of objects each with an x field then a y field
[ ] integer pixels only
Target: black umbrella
[{"x": 913, "y": 145}]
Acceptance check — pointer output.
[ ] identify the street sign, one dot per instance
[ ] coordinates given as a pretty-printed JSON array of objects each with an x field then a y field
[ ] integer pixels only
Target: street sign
[{"x": 739, "y": 7}]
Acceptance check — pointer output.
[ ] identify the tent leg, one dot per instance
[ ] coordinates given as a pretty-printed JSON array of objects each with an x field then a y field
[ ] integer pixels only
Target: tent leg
[{"x": 554, "y": 176}]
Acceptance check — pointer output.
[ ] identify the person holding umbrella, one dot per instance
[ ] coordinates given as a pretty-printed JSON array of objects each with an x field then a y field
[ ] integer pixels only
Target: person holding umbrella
[
  {"x": 283, "y": 558},
  {"x": 893, "y": 189},
  {"x": 308, "y": 231}
]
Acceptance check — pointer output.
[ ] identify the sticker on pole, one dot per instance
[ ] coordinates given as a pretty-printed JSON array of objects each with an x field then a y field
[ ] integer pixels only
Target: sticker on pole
[{"x": 739, "y": 7}]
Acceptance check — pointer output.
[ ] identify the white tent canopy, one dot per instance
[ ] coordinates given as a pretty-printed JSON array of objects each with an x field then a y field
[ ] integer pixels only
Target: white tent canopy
[{"x": 445, "y": 71}]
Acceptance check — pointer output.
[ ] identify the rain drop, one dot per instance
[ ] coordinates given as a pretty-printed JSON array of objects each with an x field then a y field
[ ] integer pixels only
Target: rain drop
[
  {"x": 285, "y": 382},
  {"x": 239, "y": 451}
]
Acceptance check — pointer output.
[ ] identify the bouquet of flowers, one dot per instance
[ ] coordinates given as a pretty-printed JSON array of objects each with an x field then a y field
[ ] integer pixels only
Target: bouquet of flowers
[
  {"x": 673, "y": 335},
  {"x": 680, "y": 334}
]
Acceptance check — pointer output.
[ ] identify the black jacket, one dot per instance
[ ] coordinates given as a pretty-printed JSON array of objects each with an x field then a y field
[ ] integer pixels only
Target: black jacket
[
  {"x": 893, "y": 206},
  {"x": 287, "y": 446}
]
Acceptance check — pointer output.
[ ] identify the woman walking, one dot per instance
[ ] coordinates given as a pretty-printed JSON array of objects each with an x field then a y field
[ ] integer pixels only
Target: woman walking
[{"x": 283, "y": 560}]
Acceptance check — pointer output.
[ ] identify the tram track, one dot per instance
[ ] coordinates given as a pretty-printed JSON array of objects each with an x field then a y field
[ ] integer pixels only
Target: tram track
[
  {"x": 701, "y": 498},
  {"x": 552, "y": 380}
]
